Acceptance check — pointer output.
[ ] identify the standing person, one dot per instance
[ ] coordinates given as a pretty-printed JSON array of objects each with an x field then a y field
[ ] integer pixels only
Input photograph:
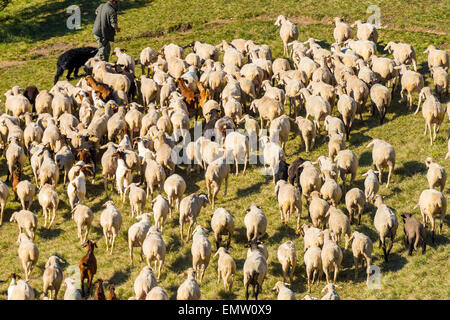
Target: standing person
[{"x": 105, "y": 27}]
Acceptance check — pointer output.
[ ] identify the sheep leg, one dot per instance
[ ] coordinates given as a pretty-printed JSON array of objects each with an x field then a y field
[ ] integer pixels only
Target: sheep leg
[
  {"x": 181, "y": 230},
  {"x": 246, "y": 290},
  {"x": 391, "y": 167},
  {"x": 53, "y": 217},
  {"x": 411, "y": 246},
  {"x": 336, "y": 271},
  {"x": 356, "y": 262},
  {"x": 112, "y": 242}
]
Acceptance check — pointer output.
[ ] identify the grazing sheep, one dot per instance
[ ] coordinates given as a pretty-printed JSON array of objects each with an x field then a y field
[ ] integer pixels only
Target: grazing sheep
[
  {"x": 189, "y": 289},
  {"x": 432, "y": 203},
  {"x": 28, "y": 254},
  {"x": 174, "y": 187},
  {"x": 383, "y": 155},
  {"x": 255, "y": 222},
  {"x": 437, "y": 57},
  {"x": 154, "y": 248},
  {"x": 313, "y": 264},
  {"x": 436, "y": 174},
  {"x": 26, "y": 220},
  {"x": 287, "y": 256},
  {"x": 347, "y": 107},
  {"x": 331, "y": 256},
  {"x": 48, "y": 199},
  {"x": 362, "y": 248},
  {"x": 355, "y": 199},
  {"x": 255, "y": 270},
  {"x": 330, "y": 190},
  {"x": 83, "y": 217},
  {"x": 137, "y": 233},
  {"x": 267, "y": 108},
  {"x": 414, "y": 232},
  {"x": 190, "y": 208},
  {"x": 347, "y": 163},
  {"x": 226, "y": 268},
  {"x": 222, "y": 223},
  {"x": 339, "y": 224},
  {"x": 371, "y": 184},
  {"x": 381, "y": 99},
  {"x": 386, "y": 223},
  {"x": 441, "y": 81},
  {"x": 53, "y": 276},
  {"x": 289, "y": 201},
  {"x": 111, "y": 222},
  {"x": 160, "y": 211},
  {"x": 144, "y": 282},
  {"x": 216, "y": 172},
  {"x": 201, "y": 251}
]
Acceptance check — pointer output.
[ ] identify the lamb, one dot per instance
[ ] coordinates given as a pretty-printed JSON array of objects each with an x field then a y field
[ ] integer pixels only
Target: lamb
[
  {"x": 308, "y": 132},
  {"x": 313, "y": 263},
  {"x": 331, "y": 292},
  {"x": 331, "y": 257},
  {"x": 432, "y": 203},
  {"x": 355, "y": 199},
  {"x": 174, "y": 187},
  {"x": 28, "y": 254},
  {"x": 371, "y": 184},
  {"x": 287, "y": 256},
  {"x": 437, "y": 57},
  {"x": 432, "y": 111},
  {"x": 339, "y": 224},
  {"x": 436, "y": 174},
  {"x": 83, "y": 216},
  {"x": 411, "y": 81},
  {"x": 255, "y": 222},
  {"x": 386, "y": 223},
  {"x": 381, "y": 99},
  {"x": 160, "y": 211},
  {"x": 137, "y": 233},
  {"x": 284, "y": 293},
  {"x": 342, "y": 31},
  {"x": 138, "y": 198},
  {"x": 53, "y": 276},
  {"x": 154, "y": 248},
  {"x": 144, "y": 282},
  {"x": 383, "y": 155},
  {"x": 414, "y": 232},
  {"x": 4, "y": 195},
  {"x": 216, "y": 172},
  {"x": 237, "y": 144},
  {"x": 111, "y": 222},
  {"x": 310, "y": 179},
  {"x": 124, "y": 59},
  {"x": 19, "y": 289},
  {"x": 25, "y": 192},
  {"x": 289, "y": 201},
  {"x": 255, "y": 269},
  {"x": 48, "y": 199},
  {"x": 201, "y": 251},
  {"x": 157, "y": 293},
  {"x": 226, "y": 268},
  {"x": 403, "y": 53},
  {"x": 222, "y": 223},
  {"x": 43, "y": 103},
  {"x": 362, "y": 248},
  {"x": 189, "y": 289},
  {"x": 268, "y": 109},
  {"x": 72, "y": 293}
]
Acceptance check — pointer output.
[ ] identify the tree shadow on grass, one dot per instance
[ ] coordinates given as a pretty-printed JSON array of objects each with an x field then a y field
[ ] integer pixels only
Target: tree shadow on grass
[{"x": 120, "y": 276}]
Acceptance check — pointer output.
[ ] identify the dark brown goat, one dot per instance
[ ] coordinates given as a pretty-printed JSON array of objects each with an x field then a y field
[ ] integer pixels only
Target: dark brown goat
[
  {"x": 112, "y": 293},
  {"x": 99, "y": 293},
  {"x": 88, "y": 266},
  {"x": 15, "y": 180}
]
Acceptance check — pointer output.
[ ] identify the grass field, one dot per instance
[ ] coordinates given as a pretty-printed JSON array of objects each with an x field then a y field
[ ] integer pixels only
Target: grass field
[{"x": 33, "y": 34}]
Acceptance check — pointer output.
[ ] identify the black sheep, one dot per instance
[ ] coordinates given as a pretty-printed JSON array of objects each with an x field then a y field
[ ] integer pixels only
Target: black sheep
[
  {"x": 72, "y": 60},
  {"x": 282, "y": 173},
  {"x": 295, "y": 171},
  {"x": 31, "y": 93}
]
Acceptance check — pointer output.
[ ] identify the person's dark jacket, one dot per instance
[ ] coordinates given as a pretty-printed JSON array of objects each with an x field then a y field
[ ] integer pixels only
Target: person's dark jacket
[{"x": 105, "y": 21}]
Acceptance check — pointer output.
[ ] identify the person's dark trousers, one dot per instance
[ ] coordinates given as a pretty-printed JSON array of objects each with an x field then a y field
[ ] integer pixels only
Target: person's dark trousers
[{"x": 104, "y": 48}]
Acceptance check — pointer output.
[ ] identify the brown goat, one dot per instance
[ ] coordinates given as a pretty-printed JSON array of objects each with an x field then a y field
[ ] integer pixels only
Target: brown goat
[
  {"x": 102, "y": 90},
  {"x": 112, "y": 293},
  {"x": 99, "y": 293},
  {"x": 15, "y": 180},
  {"x": 189, "y": 96},
  {"x": 205, "y": 94},
  {"x": 88, "y": 266},
  {"x": 86, "y": 156}
]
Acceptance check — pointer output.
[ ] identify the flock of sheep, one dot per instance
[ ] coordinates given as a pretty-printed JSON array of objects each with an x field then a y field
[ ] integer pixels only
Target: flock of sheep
[{"x": 65, "y": 130}]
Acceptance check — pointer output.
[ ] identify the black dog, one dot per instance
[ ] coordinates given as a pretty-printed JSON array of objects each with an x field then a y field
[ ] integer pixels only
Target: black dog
[{"x": 72, "y": 60}]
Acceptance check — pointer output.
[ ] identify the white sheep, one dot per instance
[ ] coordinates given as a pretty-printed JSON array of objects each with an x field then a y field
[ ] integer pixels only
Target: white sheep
[
  {"x": 144, "y": 282},
  {"x": 111, "y": 222},
  {"x": 154, "y": 248},
  {"x": 383, "y": 155},
  {"x": 287, "y": 256},
  {"x": 137, "y": 233},
  {"x": 226, "y": 268}
]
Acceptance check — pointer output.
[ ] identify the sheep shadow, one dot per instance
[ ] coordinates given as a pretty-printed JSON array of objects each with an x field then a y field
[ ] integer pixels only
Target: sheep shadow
[
  {"x": 411, "y": 168},
  {"x": 49, "y": 234},
  {"x": 239, "y": 263},
  {"x": 396, "y": 262},
  {"x": 244, "y": 192},
  {"x": 182, "y": 263},
  {"x": 240, "y": 235},
  {"x": 282, "y": 232},
  {"x": 120, "y": 276},
  {"x": 365, "y": 159}
]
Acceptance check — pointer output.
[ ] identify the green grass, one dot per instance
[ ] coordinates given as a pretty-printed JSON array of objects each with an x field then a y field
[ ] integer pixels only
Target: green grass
[{"x": 32, "y": 36}]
